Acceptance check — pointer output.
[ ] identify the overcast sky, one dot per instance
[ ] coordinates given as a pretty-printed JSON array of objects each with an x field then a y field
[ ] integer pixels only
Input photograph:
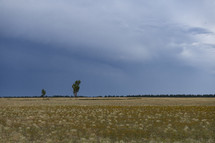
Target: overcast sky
[{"x": 115, "y": 47}]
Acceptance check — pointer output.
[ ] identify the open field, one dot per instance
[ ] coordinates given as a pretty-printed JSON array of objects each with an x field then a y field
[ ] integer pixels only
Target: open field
[
  {"x": 167, "y": 120},
  {"x": 117, "y": 101}
]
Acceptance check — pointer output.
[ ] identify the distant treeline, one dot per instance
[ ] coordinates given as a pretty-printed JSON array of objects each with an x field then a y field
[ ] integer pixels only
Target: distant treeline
[
  {"x": 54, "y": 96},
  {"x": 167, "y": 95},
  {"x": 106, "y": 96}
]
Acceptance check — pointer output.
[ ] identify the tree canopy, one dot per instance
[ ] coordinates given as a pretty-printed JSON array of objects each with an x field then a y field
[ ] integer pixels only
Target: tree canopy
[
  {"x": 43, "y": 93},
  {"x": 76, "y": 87}
]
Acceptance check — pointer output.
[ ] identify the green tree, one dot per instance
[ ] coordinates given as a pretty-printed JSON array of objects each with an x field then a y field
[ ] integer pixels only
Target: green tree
[
  {"x": 43, "y": 93},
  {"x": 76, "y": 87}
]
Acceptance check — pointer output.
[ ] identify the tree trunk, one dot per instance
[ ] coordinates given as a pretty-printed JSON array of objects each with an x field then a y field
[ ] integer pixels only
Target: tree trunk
[{"x": 75, "y": 94}]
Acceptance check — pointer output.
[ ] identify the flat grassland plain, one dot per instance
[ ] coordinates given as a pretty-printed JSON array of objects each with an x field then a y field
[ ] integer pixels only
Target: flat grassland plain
[{"x": 93, "y": 120}]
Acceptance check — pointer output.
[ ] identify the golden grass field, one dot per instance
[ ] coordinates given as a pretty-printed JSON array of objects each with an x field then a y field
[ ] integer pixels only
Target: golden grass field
[{"x": 143, "y": 120}]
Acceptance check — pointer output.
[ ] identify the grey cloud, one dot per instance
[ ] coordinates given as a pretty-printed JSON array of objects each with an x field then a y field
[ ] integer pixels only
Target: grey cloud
[
  {"x": 198, "y": 30},
  {"x": 108, "y": 44}
]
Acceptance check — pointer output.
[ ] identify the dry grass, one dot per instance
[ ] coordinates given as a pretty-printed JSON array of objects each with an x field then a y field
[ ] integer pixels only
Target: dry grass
[
  {"x": 119, "y": 101},
  {"x": 126, "y": 120}
]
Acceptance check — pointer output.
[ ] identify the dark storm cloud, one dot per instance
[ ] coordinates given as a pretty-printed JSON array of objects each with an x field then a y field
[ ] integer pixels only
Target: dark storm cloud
[{"x": 115, "y": 47}]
